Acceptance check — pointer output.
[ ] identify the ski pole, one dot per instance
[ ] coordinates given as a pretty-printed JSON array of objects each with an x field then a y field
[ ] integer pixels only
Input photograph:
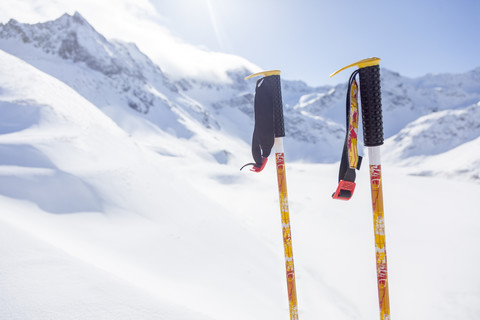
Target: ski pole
[
  {"x": 369, "y": 71},
  {"x": 269, "y": 129}
]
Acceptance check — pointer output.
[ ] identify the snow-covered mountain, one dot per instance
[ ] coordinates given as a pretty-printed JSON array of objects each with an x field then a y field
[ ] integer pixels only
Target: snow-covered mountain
[
  {"x": 441, "y": 143},
  {"x": 106, "y": 73},
  {"x": 403, "y": 99},
  {"x": 127, "y": 86},
  {"x": 121, "y": 198},
  {"x": 116, "y": 77},
  {"x": 436, "y": 133}
]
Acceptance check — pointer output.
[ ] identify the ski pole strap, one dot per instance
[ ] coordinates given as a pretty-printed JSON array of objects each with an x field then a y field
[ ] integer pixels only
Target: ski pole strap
[
  {"x": 369, "y": 72},
  {"x": 350, "y": 160},
  {"x": 269, "y": 121}
]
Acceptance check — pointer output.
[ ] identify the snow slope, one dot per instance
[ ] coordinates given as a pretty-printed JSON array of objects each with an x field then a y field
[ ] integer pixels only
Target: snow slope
[{"x": 66, "y": 157}]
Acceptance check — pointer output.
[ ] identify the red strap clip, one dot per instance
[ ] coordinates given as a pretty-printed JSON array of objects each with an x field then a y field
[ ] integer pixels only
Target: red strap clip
[
  {"x": 344, "y": 190},
  {"x": 259, "y": 169}
]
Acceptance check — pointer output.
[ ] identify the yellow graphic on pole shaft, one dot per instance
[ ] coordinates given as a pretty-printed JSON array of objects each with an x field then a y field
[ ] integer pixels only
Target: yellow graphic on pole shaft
[
  {"x": 380, "y": 249},
  {"x": 287, "y": 236}
]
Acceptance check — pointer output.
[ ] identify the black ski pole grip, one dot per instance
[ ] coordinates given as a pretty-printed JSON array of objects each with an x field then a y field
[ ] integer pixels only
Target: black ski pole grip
[
  {"x": 370, "y": 95},
  {"x": 272, "y": 80},
  {"x": 371, "y": 105},
  {"x": 279, "y": 123}
]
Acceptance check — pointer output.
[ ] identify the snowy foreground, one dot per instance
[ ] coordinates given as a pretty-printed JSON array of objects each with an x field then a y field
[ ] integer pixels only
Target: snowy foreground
[
  {"x": 218, "y": 262},
  {"x": 97, "y": 224}
]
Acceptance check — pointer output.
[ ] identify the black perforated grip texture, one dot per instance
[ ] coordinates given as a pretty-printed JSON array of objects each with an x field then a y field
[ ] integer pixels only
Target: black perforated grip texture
[
  {"x": 371, "y": 106},
  {"x": 277, "y": 105}
]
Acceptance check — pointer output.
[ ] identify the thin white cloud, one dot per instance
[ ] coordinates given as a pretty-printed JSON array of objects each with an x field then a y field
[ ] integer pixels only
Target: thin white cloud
[{"x": 134, "y": 21}]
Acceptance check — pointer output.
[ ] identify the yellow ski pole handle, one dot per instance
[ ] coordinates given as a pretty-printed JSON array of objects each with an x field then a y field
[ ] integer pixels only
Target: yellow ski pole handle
[
  {"x": 369, "y": 71},
  {"x": 264, "y": 73},
  {"x": 360, "y": 64}
]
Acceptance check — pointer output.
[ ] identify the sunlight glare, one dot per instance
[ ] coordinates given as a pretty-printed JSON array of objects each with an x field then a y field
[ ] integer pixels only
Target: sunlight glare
[{"x": 215, "y": 25}]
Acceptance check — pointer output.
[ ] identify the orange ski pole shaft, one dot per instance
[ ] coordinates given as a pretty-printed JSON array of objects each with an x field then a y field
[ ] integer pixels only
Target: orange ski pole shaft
[
  {"x": 287, "y": 235},
  {"x": 271, "y": 83},
  {"x": 373, "y": 139},
  {"x": 379, "y": 230},
  {"x": 370, "y": 94}
]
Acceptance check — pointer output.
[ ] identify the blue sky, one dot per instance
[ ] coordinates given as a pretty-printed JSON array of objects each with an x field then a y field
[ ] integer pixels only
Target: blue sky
[
  {"x": 306, "y": 39},
  {"x": 309, "y": 39}
]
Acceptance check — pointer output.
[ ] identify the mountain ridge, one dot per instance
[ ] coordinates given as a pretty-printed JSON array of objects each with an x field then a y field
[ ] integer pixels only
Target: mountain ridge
[{"x": 117, "y": 77}]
